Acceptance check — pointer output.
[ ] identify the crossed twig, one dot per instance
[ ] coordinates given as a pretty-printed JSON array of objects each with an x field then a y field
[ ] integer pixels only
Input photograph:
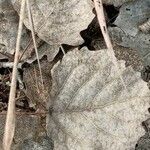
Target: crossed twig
[{"x": 10, "y": 118}]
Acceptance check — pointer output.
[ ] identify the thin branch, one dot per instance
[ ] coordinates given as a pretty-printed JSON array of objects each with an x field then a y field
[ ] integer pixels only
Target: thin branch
[
  {"x": 34, "y": 42},
  {"x": 102, "y": 22},
  {"x": 62, "y": 49},
  {"x": 9, "y": 56},
  {"x": 10, "y": 118},
  {"x": 10, "y": 65}
]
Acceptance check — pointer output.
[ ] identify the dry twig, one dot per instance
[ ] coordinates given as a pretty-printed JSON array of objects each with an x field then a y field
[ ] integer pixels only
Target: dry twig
[
  {"x": 33, "y": 37},
  {"x": 102, "y": 23},
  {"x": 10, "y": 118}
]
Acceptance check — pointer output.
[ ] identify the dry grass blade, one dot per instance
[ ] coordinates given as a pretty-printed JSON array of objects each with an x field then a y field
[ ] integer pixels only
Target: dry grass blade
[
  {"x": 102, "y": 23},
  {"x": 62, "y": 49},
  {"x": 10, "y": 119},
  {"x": 33, "y": 37}
]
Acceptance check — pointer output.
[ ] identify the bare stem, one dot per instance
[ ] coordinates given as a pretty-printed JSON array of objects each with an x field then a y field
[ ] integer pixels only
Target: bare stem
[
  {"x": 34, "y": 41},
  {"x": 10, "y": 118}
]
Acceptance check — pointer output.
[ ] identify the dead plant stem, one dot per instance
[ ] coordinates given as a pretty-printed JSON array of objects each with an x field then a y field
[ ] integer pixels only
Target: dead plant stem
[
  {"x": 10, "y": 118},
  {"x": 34, "y": 41}
]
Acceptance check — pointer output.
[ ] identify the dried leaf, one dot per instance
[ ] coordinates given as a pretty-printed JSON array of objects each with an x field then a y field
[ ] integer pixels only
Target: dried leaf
[
  {"x": 143, "y": 143},
  {"x": 9, "y": 27},
  {"x": 34, "y": 86},
  {"x": 127, "y": 33},
  {"x": 59, "y": 22},
  {"x": 89, "y": 108},
  {"x": 45, "y": 49},
  {"x": 133, "y": 14}
]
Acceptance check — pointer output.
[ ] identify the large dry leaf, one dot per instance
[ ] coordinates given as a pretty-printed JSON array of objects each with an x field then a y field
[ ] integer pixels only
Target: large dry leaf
[
  {"x": 89, "y": 108},
  {"x": 58, "y": 21},
  {"x": 127, "y": 33}
]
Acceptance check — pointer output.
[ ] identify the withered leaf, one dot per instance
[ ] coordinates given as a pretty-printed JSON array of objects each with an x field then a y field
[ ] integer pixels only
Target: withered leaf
[
  {"x": 89, "y": 107},
  {"x": 9, "y": 27},
  {"x": 59, "y": 22},
  {"x": 127, "y": 32}
]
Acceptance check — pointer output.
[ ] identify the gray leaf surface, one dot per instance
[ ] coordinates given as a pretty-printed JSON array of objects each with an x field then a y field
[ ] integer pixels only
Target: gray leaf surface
[
  {"x": 89, "y": 108},
  {"x": 8, "y": 33},
  {"x": 127, "y": 33},
  {"x": 9, "y": 27},
  {"x": 59, "y": 21}
]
